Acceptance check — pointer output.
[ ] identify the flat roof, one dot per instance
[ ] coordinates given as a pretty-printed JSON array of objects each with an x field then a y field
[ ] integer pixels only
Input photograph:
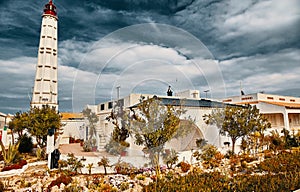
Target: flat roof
[{"x": 192, "y": 102}]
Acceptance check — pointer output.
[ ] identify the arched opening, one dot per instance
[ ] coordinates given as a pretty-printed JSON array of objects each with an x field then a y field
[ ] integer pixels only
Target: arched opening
[{"x": 188, "y": 141}]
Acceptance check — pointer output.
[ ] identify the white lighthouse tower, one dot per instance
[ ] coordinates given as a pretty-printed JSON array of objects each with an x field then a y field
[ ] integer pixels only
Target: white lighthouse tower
[{"x": 45, "y": 85}]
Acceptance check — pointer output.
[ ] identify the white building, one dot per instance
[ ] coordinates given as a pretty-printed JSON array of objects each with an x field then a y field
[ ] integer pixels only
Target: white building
[
  {"x": 74, "y": 125},
  {"x": 5, "y": 133},
  {"x": 196, "y": 107},
  {"x": 281, "y": 111}
]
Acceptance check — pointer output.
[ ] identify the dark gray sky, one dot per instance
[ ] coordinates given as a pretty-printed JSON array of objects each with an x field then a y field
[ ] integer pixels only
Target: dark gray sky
[{"x": 190, "y": 44}]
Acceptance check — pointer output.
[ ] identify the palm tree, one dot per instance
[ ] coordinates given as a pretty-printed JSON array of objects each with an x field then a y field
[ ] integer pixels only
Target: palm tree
[{"x": 105, "y": 163}]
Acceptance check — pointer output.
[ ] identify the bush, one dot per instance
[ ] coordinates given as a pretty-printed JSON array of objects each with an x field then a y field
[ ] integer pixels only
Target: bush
[
  {"x": 26, "y": 144},
  {"x": 61, "y": 179},
  {"x": 215, "y": 181},
  {"x": 15, "y": 166},
  {"x": 284, "y": 162},
  {"x": 184, "y": 166},
  {"x": 1, "y": 186},
  {"x": 124, "y": 186}
]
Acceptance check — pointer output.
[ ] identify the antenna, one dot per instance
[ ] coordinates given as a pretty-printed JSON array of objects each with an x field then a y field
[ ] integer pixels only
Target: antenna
[
  {"x": 30, "y": 93},
  {"x": 241, "y": 89},
  {"x": 118, "y": 92}
]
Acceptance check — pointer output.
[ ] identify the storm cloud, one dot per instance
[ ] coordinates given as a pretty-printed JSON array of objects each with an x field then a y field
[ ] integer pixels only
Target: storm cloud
[{"x": 254, "y": 42}]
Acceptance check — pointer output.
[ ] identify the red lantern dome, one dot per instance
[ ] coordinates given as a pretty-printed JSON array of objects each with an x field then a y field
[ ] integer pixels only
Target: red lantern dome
[{"x": 50, "y": 8}]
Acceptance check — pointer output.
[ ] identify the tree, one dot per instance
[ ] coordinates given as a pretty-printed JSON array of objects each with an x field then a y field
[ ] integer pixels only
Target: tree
[
  {"x": 153, "y": 124},
  {"x": 19, "y": 123},
  {"x": 92, "y": 119},
  {"x": 104, "y": 161},
  {"x": 237, "y": 122},
  {"x": 170, "y": 158},
  {"x": 41, "y": 121},
  {"x": 121, "y": 121}
]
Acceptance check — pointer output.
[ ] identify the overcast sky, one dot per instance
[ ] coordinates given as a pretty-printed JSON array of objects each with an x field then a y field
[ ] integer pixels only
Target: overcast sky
[{"x": 144, "y": 45}]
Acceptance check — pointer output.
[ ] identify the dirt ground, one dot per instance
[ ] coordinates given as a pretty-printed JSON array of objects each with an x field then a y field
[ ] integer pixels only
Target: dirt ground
[{"x": 76, "y": 149}]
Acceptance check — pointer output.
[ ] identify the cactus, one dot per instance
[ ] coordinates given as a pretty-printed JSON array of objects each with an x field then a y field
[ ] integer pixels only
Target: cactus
[{"x": 11, "y": 155}]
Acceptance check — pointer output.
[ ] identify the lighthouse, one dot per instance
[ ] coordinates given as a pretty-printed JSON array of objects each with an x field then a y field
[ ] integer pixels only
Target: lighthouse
[{"x": 45, "y": 85}]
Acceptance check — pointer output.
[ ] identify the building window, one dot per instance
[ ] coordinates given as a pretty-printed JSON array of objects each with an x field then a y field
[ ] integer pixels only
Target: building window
[
  {"x": 282, "y": 99},
  {"x": 102, "y": 107},
  {"x": 110, "y": 105},
  {"x": 227, "y": 100},
  {"x": 292, "y": 100},
  {"x": 270, "y": 98},
  {"x": 247, "y": 98}
]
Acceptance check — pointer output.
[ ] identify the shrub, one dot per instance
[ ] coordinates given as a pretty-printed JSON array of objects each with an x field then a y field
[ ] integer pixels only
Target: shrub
[
  {"x": 171, "y": 158},
  {"x": 26, "y": 144},
  {"x": 61, "y": 179},
  {"x": 40, "y": 154},
  {"x": 124, "y": 186},
  {"x": 2, "y": 187},
  {"x": 284, "y": 162},
  {"x": 125, "y": 168},
  {"x": 74, "y": 164},
  {"x": 184, "y": 166},
  {"x": 141, "y": 177},
  {"x": 15, "y": 166},
  {"x": 215, "y": 181},
  {"x": 11, "y": 155}
]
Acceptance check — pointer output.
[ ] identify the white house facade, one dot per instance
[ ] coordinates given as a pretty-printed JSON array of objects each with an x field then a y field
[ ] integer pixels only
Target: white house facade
[
  {"x": 281, "y": 111},
  {"x": 195, "y": 108}
]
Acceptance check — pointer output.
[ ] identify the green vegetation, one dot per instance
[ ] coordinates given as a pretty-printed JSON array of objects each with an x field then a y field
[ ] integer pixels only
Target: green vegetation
[
  {"x": 26, "y": 144},
  {"x": 92, "y": 119},
  {"x": 237, "y": 122},
  {"x": 11, "y": 155},
  {"x": 153, "y": 125},
  {"x": 105, "y": 163},
  {"x": 281, "y": 173},
  {"x": 170, "y": 158},
  {"x": 38, "y": 122}
]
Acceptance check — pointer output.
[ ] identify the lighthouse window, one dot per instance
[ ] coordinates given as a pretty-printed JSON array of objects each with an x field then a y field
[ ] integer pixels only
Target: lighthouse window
[
  {"x": 48, "y": 52},
  {"x": 54, "y": 54},
  {"x": 48, "y": 48},
  {"x": 54, "y": 27},
  {"x": 54, "y": 38},
  {"x": 54, "y": 50},
  {"x": 49, "y": 37},
  {"x": 44, "y": 25},
  {"x": 43, "y": 36},
  {"x": 42, "y": 52},
  {"x": 49, "y": 25}
]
